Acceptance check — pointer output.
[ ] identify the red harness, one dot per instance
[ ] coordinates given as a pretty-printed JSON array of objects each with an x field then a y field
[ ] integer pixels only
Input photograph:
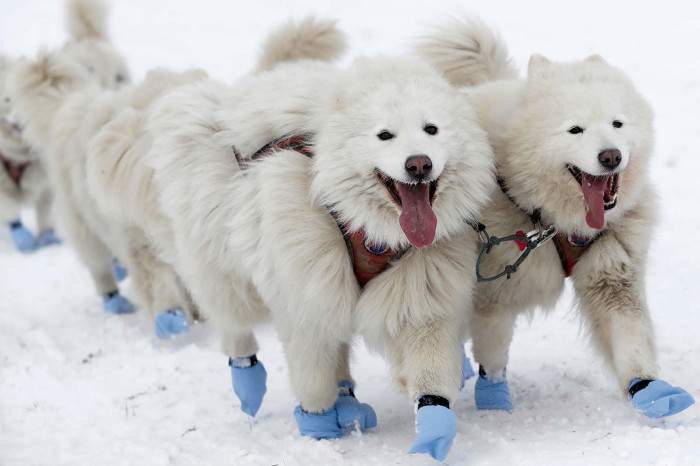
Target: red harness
[
  {"x": 368, "y": 259},
  {"x": 14, "y": 170},
  {"x": 569, "y": 247}
]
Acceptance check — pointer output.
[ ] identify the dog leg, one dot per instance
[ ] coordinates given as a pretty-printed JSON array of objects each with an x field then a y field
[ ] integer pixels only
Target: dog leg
[
  {"x": 619, "y": 323},
  {"x": 350, "y": 411},
  {"x": 47, "y": 234},
  {"x": 429, "y": 360},
  {"x": 96, "y": 256},
  {"x": 492, "y": 333}
]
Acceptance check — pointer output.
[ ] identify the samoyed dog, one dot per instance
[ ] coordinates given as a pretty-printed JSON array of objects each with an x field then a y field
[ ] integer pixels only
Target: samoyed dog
[
  {"x": 572, "y": 144},
  {"x": 22, "y": 179},
  {"x": 60, "y": 107},
  {"x": 23, "y": 182},
  {"x": 331, "y": 201}
]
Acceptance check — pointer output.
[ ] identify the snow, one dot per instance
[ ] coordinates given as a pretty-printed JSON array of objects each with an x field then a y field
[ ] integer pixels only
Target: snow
[{"x": 80, "y": 387}]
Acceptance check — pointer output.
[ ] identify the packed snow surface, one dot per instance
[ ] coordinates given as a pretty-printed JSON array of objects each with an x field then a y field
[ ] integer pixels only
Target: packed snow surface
[{"x": 79, "y": 387}]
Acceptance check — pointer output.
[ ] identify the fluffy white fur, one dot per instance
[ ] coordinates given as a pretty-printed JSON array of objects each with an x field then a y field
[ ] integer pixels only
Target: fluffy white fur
[
  {"x": 528, "y": 122},
  {"x": 61, "y": 108},
  {"x": 262, "y": 243},
  {"x": 309, "y": 39},
  {"x": 32, "y": 189},
  {"x": 89, "y": 43}
]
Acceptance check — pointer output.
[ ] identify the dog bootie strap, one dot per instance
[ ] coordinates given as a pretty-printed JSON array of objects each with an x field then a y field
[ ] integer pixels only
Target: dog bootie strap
[
  {"x": 48, "y": 238},
  {"x": 120, "y": 272},
  {"x": 491, "y": 391},
  {"x": 319, "y": 426},
  {"x": 436, "y": 426},
  {"x": 24, "y": 239},
  {"x": 352, "y": 413},
  {"x": 116, "y": 303},
  {"x": 657, "y": 398},
  {"x": 171, "y": 323},
  {"x": 249, "y": 379}
]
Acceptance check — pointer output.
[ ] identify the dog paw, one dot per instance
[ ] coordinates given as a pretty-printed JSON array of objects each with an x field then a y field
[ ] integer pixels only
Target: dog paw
[
  {"x": 351, "y": 412},
  {"x": 249, "y": 382},
  {"x": 24, "y": 239},
  {"x": 656, "y": 398},
  {"x": 492, "y": 393},
  {"x": 436, "y": 427},
  {"x": 320, "y": 426},
  {"x": 116, "y": 304},
  {"x": 48, "y": 238},
  {"x": 120, "y": 272},
  {"x": 171, "y": 323}
]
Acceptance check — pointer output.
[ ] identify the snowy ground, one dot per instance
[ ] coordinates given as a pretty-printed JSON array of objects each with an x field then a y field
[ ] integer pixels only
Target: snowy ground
[{"x": 79, "y": 387}]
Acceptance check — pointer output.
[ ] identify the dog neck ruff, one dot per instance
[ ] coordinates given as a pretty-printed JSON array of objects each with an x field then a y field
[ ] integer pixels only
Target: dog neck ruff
[
  {"x": 570, "y": 247},
  {"x": 368, "y": 259},
  {"x": 14, "y": 170}
]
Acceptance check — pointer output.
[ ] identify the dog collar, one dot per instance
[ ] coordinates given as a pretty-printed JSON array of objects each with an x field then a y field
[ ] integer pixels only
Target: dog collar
[
  {"x": 570, "y": 247},
  {"x": 14, "y": 170},
  {"x": 368, "y": 259}
]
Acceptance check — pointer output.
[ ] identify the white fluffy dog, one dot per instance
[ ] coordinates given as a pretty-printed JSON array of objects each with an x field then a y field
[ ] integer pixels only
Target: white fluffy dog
[
  {"x": 22, "y": 179},
  {"x": 334, "y": 202},
  {"x": 572, "y": 144},
  {"x": 23, "y": 182}
]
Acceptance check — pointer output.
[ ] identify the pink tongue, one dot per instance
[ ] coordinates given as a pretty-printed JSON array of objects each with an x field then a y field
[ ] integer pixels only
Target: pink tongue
[
  {"x": 417, "y": 220},
  {"x": 593, "y": 191}
]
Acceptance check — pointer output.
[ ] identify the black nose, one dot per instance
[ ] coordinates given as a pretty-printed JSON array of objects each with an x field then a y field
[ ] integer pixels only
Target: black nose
[
  {"x": 610, "y": 158},
  {"x": 419, "y": 166}
]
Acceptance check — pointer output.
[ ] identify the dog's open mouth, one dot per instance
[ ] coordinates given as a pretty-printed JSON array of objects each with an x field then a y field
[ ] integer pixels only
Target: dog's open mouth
[
  {"x": 599, "y": 192},
  {"x": 417, "y": 219}
]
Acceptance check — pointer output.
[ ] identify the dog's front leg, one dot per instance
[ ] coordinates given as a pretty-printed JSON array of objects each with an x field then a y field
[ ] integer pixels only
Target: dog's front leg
[
  {"x": 429, "y": 361},
  {"x": 610, "y": 287}
]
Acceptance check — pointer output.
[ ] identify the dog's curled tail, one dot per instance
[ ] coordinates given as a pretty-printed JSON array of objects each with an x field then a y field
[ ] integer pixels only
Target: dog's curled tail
[
  {"x": 468, "y": 52},
  {"x": 87, "y": 19},
  {"x": 309, "y": 39}
]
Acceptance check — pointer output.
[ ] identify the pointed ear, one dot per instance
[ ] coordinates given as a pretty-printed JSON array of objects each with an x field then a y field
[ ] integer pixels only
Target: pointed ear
[
  {"x": 536, "y": 63},
  {"x": 595, "y": 58}
]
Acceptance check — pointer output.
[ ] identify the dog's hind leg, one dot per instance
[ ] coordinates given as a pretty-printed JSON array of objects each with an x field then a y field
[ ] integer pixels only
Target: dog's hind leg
[
  {"x": 95, "y": 255},
  {"x": 492, "y": 334},
  {"x": 47, "y": 234},
  {"x": 158, "y": 286}
]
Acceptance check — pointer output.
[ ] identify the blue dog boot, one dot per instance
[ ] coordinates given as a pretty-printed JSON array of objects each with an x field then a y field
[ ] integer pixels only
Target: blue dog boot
[
  {"x": 249, "y": 382},
  {"x": 48, "y": 238},
  {"x": 656, "y": 398},
  {"x": 116, "y": 303},
  {"x": 351, "y": 412},
  {"x": 24, "y": 239},
  {"x": 436, "y": 425},
  {"x": 319, "y": 426},
  {"x": 171, "y": 323},
  {"x": 120, "y": 272},
  {"x": 491, "y": 391},
  {"x": 467, "y": 371}
]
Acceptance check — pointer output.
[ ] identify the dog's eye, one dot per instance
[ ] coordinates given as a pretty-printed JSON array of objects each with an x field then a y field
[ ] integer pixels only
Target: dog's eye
[
  {"x": 7, "y": 99},
  {"x": 385, "y": 135},
  {"x": 431, "y": 129},
  {"x": 617, "y": 124},
  {"x": 576, "y": 130}
]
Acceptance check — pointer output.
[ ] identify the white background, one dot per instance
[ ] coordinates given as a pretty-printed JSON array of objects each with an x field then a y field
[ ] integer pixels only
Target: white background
[{"x": 80, "y": 387}]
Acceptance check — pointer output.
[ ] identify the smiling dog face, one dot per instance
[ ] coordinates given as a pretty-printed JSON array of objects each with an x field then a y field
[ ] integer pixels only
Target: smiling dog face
[
  {"x": 400, "y": 154},
  {"x": 579, "y": 144}
]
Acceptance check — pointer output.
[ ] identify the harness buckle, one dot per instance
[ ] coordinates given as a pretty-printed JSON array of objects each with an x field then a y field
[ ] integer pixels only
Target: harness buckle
[{"x": 541, "y": 235}]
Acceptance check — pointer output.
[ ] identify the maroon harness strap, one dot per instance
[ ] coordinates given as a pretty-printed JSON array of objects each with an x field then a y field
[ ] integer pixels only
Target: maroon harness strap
[
  {"x": 368, "y": 259},
  {"x": 569, "y": 247},
  {"x": 14, "y": 170}
]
